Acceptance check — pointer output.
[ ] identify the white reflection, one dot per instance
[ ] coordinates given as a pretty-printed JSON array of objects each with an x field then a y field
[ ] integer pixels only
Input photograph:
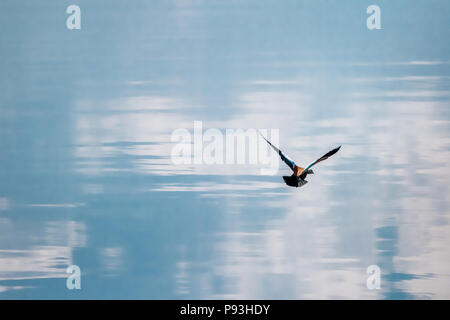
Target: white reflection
[
  {"x": 92, "y": 188},
  {"x": 35, "y": 263},
  {"x": 416, "y": 138},
  {"x": 40, "y": 250},
  {"x": 6, "y": 288},
  {"x": 142, "y": 126},
  {"x": 402, "y": 94},
  {"x": 181, "y": 278},
  {"x": 215, "y": 187},
  {"x": 111, "y": 258},
  {"x": 71, "y": 233},
  {"x": 406, "y": 143},
  {"x": 56, "y": 205},
  {"x": 396, "y": 146},
  {"x": 401, "y": 63},
  {"x": 4, "y": 204},
  {"x": 422, "y": 79}
]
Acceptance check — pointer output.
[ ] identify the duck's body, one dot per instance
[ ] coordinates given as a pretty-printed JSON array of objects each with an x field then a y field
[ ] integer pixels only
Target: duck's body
[
  {"x": 294, "y": 181},
  {"x": 297, "y": 179}
]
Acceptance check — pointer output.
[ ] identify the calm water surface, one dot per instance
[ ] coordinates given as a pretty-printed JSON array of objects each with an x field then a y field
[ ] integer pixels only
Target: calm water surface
[{"x": 86, "y": 176}]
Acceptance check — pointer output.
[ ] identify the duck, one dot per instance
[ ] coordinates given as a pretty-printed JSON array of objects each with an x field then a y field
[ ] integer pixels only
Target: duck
[{"x": 298, "y": 177}]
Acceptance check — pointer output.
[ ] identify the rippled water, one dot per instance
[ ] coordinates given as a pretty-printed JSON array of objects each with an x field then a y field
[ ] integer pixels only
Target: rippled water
[{"x": 86, "y": 176}]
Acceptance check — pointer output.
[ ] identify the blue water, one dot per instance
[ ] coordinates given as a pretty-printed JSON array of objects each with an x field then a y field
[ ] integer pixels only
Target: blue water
[{"x": 86, "y": 175}]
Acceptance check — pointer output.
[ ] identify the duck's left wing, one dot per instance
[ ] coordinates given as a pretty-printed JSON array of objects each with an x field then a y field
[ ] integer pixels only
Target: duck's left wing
[{"x": 286, "y": 159}]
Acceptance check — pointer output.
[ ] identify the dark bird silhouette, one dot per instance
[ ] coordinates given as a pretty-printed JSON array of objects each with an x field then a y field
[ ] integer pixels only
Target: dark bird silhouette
[{"x": 297, "y": 179}]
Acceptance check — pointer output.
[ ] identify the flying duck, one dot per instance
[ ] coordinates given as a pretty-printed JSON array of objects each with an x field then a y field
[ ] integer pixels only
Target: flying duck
[{"x": 297, "y": 179}]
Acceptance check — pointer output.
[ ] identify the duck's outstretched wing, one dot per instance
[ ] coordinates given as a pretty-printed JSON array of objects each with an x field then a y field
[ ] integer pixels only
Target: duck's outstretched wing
[
  {"x": 324, "y": 157},
  {"x": 286, "y": 159}
]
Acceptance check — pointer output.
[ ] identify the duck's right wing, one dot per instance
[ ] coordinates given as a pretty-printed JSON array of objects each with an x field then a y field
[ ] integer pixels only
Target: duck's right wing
[
  {"x": 322, "y": 158},
  {"x": 286, "y": 159}
]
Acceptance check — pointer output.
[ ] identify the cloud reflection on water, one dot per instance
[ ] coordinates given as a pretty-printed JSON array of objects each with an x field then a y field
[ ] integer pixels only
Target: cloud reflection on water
[{"x": 87, "y": 178}]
